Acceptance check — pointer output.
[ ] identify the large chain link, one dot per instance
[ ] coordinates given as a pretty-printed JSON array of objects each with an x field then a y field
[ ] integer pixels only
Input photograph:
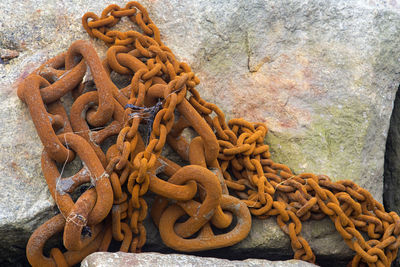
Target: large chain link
[{"x": 155, "y": 109}]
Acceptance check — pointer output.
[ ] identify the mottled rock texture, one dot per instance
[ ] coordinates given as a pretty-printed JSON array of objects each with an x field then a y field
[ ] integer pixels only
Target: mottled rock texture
[
  {"x": 100, "y": 259},
  {"x": 321, "y": 74}
]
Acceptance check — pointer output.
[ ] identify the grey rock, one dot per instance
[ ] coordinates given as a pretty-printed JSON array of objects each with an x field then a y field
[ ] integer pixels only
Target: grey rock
[
  {"x": 122, "y": 259},
  {"x": 7, "y": 54},
  {"x": 266, "y": 235},
  {"x": 321, "y": 74},
  {"x": 266, "y": 240}
]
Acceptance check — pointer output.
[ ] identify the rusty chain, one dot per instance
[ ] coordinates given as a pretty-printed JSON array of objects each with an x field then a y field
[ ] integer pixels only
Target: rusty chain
[{"x": 226, "y": 159}]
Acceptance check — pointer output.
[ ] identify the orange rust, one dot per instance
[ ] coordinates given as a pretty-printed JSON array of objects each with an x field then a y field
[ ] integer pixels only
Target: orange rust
[
  {"x": 161, "y": 88},
  {"x": 206, "y": 239}
]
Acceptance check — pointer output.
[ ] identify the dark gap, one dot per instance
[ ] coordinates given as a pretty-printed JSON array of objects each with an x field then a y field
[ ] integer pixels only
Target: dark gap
[
  {"x": 391, "y": 175},
  {"x": 108, "y": 142},
  {"x": 70, "y": 168},
  {"x": 120, "y": 80},
  {"x": 391, "y": 181}
]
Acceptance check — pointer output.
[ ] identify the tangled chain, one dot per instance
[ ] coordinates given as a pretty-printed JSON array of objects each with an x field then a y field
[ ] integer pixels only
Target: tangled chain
[{"x": 225, "y": 159}]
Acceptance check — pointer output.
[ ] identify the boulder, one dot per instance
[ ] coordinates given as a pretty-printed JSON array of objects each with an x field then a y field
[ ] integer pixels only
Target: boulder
[
  {"x": 321, "y": 74},
  {"x": 151, "y": 259},
  {"x": 267, "y": 241}
]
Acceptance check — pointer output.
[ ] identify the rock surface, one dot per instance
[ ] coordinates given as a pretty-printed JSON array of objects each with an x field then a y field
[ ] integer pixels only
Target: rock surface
[
  {"x": 106, "y": 259},
  {"x": 266, "y": 240},
  {"x": 321, "y": 74}
]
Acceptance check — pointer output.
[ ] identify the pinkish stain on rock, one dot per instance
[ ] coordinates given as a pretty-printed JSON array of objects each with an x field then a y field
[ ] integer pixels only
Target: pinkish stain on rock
[
  {"x": 26, "y": 70},
  {"x": 279, "y": 93}
]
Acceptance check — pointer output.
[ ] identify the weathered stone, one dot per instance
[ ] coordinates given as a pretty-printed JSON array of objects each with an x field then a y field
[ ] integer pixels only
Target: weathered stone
[
  {"x": 122, "y": 259},
  {"x": 7, "y": 54},
  {"x": 266, "y": 240},
  {"x": 314, "y": 72},
  {"x": 321, "y": 74}
]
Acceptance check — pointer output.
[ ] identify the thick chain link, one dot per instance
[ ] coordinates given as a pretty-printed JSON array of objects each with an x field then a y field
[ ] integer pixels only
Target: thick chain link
[{"x": 224, "y": 158}]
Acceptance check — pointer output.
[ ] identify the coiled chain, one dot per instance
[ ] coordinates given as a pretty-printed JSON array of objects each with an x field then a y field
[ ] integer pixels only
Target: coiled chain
[{"x": 229, "y": 174}]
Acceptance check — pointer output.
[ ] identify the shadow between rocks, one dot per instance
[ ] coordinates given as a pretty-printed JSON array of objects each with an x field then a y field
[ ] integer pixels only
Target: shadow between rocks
[{"x": 391, "y": 196}]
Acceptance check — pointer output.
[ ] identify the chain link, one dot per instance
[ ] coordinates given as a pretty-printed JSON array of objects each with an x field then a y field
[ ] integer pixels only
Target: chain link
[{"x": 226, "y": 159}]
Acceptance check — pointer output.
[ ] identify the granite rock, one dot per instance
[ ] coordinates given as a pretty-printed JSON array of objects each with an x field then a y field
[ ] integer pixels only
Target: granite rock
[
  {"x": 266, "y": 240},
  {"x": 321, "y": 74},
  {"x": 122, "y": 259}
]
